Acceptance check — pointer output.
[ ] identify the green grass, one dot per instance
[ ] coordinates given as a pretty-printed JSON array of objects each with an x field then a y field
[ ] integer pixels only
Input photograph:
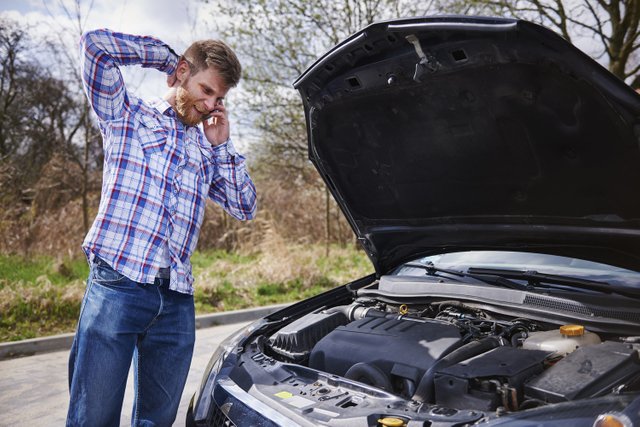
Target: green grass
[
  {"x": 18, "y": 269},
  {"x": 40, "y": 296}
]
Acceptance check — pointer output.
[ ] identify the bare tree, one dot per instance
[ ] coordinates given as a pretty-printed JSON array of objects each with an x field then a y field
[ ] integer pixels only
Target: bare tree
[
  {"x": 277, "y": 41},
  {"x": 612, "y": 25},
  {"x": 14, "y": 69},
  {"x": 35, "y": 107},
  {"x": 82, "y": 131}
]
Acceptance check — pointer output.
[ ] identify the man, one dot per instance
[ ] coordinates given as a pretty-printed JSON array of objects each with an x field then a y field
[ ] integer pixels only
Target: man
[{"x": 159, "y": 167}]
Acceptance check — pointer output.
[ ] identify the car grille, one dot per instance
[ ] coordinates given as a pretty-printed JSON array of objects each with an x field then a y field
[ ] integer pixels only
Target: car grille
[{"x": 220, "y": 419}]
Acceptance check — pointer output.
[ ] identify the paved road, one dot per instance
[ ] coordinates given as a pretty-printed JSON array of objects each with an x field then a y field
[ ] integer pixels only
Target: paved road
[{"x": 34, "y": 392}]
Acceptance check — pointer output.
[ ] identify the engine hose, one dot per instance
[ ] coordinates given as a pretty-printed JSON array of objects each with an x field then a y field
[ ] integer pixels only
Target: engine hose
[
  {"x": 369, "y": 374},
  {"x": 518, "y": 337},
  {"x": 409, "y": 387},
  {"x": 426, "y": 389},
  {"x": 357, "y": 311}
]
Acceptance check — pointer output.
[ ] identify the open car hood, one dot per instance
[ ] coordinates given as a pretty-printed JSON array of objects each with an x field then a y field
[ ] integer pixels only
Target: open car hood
[{"x": 441, "y": 134}]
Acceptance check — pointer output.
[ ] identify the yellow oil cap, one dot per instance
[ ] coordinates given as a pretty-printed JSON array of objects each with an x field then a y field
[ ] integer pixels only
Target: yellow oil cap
[
  {"x": 572, "y": 330},
  {"x": 391, "y": 422},
  {"x": 612, "y": 420}
]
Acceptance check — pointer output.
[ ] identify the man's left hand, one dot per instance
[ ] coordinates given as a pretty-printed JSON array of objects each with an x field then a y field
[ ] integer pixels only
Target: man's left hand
[{"x": 216, "y": 128}]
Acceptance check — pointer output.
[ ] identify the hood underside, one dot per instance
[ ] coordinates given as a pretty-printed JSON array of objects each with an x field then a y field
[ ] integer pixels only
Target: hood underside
[{"x": 456, "y": 133}]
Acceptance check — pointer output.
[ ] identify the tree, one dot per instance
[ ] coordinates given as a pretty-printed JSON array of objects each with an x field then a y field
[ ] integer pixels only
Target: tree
[
  {"x": 89, "y": 136},
  {"x": 14, "y": 70},
  {"x": 48, "y": 145},
  {"x": 277, "y": 40},
  {"x": 612, "y": 25},
  {"x": 35, "y": 108}
]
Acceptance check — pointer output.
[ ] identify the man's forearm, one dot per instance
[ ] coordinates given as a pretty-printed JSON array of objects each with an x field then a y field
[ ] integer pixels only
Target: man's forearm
[
  {"x": 232, "y": 187},
  {"x": 103, "y": 51}
]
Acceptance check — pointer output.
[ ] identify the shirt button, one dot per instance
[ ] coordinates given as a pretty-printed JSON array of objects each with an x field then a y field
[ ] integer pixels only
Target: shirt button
[{"x": 175, "y": 190}]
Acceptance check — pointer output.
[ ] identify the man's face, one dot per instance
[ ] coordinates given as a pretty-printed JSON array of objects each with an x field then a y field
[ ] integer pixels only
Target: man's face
[{"x": 198, "y": 94}]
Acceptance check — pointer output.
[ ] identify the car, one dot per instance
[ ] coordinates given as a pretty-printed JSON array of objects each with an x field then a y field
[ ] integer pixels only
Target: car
[{"x": 491, "y": 172}]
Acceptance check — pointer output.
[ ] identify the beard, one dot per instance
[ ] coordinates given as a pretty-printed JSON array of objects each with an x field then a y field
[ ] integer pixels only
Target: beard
[{"x": 186, "y": 107}]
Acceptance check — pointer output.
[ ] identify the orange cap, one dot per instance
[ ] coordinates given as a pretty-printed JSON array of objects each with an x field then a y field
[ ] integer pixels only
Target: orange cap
[{"x": 572, "y": 330}]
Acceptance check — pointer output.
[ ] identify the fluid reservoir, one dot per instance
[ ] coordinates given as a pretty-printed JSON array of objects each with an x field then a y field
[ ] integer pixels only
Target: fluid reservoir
[{"x": 561, "y": 341}]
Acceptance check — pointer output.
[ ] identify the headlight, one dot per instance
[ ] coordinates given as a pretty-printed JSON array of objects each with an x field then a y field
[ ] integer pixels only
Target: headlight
[{"x": 216, "y": 363}]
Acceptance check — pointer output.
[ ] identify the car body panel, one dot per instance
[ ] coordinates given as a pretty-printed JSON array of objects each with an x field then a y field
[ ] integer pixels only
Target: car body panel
[{"x": 502, "y": 136}]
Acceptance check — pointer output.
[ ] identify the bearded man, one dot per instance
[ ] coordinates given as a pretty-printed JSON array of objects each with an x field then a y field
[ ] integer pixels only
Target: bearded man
[{"x": 162, "y": 159}]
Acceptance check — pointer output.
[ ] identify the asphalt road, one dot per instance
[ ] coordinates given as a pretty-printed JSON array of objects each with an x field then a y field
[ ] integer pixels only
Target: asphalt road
[{"x": 34, "y": 390}]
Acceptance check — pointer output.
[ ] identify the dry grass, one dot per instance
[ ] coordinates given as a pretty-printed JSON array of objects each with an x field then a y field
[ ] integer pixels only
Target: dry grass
[
  {"x": 35, "y": 309},
  {"x": 277, "y": 272},
  {"x": 279, "y": 256}
]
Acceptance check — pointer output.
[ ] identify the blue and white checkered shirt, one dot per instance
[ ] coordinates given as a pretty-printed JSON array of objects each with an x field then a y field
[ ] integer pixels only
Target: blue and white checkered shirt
[{"x": 158, "y": 172}]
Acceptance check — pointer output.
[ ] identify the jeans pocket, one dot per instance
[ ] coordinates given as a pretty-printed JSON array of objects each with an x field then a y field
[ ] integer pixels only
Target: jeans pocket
[{"x": 104, "y": 274}]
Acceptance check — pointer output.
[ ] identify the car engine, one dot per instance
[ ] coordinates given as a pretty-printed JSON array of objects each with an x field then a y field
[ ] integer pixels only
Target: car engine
[{"x": 454, "y": 356}]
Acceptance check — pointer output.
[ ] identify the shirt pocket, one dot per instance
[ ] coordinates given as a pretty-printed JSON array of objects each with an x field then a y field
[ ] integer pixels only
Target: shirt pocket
[{"x": 151, "y": 134}]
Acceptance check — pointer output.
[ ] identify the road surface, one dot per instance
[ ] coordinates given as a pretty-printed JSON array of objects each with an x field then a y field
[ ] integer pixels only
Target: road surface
[{"x": 34, "y": 390}]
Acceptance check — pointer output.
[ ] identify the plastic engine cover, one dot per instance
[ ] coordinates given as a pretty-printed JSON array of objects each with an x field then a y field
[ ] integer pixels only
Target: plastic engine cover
[
  {"x": 592, "y": 370},
  {"x": 404, "y": 348}
]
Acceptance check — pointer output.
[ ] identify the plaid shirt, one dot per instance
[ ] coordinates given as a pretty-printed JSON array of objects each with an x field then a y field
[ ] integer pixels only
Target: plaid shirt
[{"x": 157, "y": 171}]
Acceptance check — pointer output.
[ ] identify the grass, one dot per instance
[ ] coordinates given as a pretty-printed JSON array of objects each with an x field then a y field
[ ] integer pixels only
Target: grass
[
  {"x": 18, "y": 269},
  {"x": 41, "y": 296}
]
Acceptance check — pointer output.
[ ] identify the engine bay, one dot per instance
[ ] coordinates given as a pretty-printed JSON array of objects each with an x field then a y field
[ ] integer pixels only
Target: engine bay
[{"x": 442, "y": 360}]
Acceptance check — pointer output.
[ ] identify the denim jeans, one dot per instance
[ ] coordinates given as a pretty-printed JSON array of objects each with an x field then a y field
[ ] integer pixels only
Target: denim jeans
[{"x": 121, "y": 320}]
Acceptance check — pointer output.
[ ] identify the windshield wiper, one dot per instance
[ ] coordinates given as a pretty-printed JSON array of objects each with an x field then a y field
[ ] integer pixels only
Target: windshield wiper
[
  {"x": 491, "y": 279},
  {"x": 536, "y": 280}
]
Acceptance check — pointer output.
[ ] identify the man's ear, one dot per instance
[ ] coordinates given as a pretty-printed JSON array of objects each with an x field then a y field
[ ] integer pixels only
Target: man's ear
[{"x": 182, "y": 70}]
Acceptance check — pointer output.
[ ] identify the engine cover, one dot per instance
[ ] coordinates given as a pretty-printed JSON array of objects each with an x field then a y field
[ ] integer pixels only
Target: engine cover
[{"x": 404, "y": 348}]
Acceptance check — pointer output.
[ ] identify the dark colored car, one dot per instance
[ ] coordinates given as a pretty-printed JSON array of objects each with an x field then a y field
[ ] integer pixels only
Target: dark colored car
[{"x": 491, "y": 171}]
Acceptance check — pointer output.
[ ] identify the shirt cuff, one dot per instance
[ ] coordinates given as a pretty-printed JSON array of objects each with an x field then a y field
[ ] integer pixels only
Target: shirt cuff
[
  {"x": 172, "y": 61},
  {"x": 225, "y": 150}
]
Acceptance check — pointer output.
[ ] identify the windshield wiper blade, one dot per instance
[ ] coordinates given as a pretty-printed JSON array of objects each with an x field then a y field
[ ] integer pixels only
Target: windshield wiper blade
[
  {"x": 490, "y": 279},
  {"x": 537, "y": 279}
]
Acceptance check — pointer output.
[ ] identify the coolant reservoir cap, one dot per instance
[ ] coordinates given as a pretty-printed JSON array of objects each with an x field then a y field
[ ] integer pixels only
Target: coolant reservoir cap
[
  {"x": 391, "y": 422},
  {"x": 572, "y": 330}
]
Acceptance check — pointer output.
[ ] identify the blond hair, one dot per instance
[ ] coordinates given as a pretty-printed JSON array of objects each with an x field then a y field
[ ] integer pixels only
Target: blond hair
[{"x": 214, "y": 54}]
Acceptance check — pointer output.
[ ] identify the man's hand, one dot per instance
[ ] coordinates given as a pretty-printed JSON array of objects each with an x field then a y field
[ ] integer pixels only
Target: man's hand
[{"x": 216, "y": 128}]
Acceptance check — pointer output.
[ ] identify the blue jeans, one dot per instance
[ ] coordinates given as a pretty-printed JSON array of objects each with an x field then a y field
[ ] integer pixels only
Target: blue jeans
[{"x": 121, "y": 320}]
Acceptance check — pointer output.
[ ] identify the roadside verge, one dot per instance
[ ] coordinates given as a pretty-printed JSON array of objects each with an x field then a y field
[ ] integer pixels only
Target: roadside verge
[{"x": 10, "y": 350}]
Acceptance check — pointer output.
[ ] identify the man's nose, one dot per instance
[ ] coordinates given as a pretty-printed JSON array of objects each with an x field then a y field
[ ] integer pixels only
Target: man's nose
[{"x": 210, "y": 104}]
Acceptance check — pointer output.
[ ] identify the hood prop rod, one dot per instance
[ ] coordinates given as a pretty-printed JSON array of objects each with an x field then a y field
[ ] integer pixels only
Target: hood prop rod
[{"x": 427, "y": 63}]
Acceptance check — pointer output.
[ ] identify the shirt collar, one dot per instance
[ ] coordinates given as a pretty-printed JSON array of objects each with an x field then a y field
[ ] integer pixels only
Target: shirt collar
[{"x": 163, "y": 106}]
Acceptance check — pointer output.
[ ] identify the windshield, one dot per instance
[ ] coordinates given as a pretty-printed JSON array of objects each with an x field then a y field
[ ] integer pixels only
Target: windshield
[{"x": 525, "y": 261}]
